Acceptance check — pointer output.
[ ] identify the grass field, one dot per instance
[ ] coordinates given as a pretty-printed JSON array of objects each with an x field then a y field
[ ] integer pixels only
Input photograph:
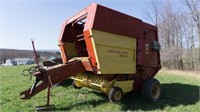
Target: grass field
[{"x": 180, "y": 93}]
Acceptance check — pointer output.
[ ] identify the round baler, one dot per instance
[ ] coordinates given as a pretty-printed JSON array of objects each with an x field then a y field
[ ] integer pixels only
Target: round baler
[
  {"x": 108, "y": 51},
  {"x": 120, "y": 52}
]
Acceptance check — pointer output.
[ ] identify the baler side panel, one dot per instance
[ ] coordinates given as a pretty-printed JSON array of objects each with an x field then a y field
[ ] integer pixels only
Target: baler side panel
[{"x": 116, "y": 54}]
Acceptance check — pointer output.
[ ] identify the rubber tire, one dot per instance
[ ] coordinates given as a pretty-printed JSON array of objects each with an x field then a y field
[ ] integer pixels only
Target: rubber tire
[
  {"x": 112, "y": 93},
  {"x": 147, "y": 90},
  {"x": 75, "y": 86}
]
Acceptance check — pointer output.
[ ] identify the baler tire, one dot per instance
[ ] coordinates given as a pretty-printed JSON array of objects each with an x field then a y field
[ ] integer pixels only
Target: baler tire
[
  {"x": 75, "y": 86},
  {"x": 152, "y": 90},
  {"x": 114, "y": 93}
]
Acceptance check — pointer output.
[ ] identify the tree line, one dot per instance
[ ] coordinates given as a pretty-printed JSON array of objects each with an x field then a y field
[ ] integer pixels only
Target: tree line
[{"x": 178, "y": 25}]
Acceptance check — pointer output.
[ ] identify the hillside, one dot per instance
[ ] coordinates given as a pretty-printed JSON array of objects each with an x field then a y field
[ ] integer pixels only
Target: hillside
[{"x": 15, "y": 53}]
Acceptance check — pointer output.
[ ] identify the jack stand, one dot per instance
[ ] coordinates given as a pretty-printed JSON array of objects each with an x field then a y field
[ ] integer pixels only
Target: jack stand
[{"x": 47, "y": 107}]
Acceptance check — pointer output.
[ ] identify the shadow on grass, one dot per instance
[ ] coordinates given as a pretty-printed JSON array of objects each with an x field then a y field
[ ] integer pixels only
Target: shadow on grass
[
  {"x": 66, "y": 83},
  {"x": 174, "y": 94}
]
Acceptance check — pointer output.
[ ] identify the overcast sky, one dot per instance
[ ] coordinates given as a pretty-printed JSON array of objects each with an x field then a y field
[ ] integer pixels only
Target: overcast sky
[{"x": 21, "y": 20}]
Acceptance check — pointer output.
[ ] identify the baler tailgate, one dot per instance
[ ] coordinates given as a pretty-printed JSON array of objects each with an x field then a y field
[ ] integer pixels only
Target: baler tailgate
[{"x": 55, "y": 75}]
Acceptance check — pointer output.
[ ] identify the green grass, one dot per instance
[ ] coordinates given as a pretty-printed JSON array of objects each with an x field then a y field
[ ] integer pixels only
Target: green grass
[{"x": 180, "y": 93}]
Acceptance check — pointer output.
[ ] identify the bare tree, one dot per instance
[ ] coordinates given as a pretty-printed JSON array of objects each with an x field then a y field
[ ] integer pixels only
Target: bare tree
[
  {"x": 194, "y": 8},
  {"x": 153, "y": 14},
  {"x": 176, "y": 30}
]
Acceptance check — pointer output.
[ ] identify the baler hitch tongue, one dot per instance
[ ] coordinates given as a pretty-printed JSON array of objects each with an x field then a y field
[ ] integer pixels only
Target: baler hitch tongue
[
  {"x": 51, "y": 76},
  {"x": 24, "y": 96}
]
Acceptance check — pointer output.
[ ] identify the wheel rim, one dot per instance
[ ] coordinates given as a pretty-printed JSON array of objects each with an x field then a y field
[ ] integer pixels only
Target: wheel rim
[
  {"x": 155, "y": 92},
  {"x": 117, "y": 95}
]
